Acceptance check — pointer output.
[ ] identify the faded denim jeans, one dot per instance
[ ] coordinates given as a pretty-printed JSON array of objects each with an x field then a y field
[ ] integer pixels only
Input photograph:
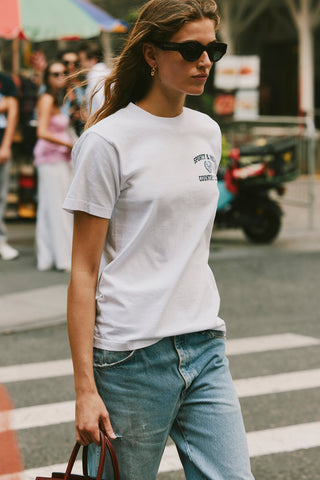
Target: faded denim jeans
[{"x": 179, "y": 387}]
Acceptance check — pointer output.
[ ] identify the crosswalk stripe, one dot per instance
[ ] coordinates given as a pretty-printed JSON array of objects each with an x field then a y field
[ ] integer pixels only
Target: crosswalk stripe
[
  {"x": 13, "y": 476},
  {"x": 63, "y": 412},
  {"x": 35, "y": 371},
  {"x": 285, "y": 439},
  {"x": 263, "y": 442},
  {"x": 264, "y": 343},
  {"x": 38, "y": 416},
  {"x": 282, "y": 382}
]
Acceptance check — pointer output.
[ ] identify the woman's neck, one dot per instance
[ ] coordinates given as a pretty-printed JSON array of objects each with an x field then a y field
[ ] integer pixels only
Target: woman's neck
[
  {"x": 55, "y": 91},
  {"x": 163, "y": 104}
]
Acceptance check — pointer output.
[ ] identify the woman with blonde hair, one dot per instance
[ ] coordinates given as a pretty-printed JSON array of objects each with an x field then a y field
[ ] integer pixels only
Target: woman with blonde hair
[{"x": 148, "y": 345}]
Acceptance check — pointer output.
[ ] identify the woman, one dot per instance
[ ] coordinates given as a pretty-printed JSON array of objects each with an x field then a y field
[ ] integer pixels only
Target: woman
[
  {"x": 74, "y": 103},
  {"x": 8, "y": 123},
  {"x": 52, "y": 157},
  {"x": 142, "y": 296}
]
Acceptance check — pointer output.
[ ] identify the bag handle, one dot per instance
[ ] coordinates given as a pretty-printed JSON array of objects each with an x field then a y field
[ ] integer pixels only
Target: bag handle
[{"x": 105, "y": 443}]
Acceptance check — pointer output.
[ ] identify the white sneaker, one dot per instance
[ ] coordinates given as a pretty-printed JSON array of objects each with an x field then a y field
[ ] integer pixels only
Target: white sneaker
[{"x": 7, "y": 252}]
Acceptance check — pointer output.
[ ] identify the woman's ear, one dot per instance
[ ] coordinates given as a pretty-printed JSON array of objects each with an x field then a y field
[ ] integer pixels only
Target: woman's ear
[{"x": 149, "y": 53}]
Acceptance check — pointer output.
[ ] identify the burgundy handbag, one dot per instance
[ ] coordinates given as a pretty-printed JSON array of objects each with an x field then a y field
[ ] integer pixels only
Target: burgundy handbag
[{"x": 105, "y": 444}]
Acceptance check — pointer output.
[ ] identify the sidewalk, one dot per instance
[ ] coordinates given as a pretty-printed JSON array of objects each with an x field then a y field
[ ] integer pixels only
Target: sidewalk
[{"x": 30, "y": 299}]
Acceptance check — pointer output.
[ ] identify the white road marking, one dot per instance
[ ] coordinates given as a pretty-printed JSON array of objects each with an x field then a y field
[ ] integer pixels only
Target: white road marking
[
  {"x": 37, "y": 416},
  {"x": 282, "y": 382},
  {"x": 63, "y": 412},
  {"x": 285, "y": 439},
  {"x": 264, "y": 442},
  {"x": 264, "y": 343},
  {"x": 35, "y": 371},
  {"x": 242, "y": 346}
]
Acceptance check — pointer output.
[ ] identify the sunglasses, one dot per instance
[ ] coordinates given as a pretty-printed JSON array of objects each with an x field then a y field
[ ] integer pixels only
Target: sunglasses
[
  {"x": 58, "y": 74},
  {"x": 70, "y": 62},
  {"x": 192, "y": 50}
]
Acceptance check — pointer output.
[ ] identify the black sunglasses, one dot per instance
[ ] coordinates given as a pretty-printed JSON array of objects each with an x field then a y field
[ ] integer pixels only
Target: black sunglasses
[
  {"x": 58, "y": 74},
  {"x": 70, "y": 62},
  {"x": 192, "y": 50}
]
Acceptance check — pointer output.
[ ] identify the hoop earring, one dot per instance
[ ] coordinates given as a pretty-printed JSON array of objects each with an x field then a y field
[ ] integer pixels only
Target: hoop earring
[{"x": 153, "y": 71}]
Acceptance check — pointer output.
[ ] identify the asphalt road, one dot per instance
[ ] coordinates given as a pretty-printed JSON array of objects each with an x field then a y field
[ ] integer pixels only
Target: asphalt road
[{"x": 270, "y": 292}]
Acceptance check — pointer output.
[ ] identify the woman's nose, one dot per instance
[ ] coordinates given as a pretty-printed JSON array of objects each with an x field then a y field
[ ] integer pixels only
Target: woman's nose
[{"x": 204, "y": 60}]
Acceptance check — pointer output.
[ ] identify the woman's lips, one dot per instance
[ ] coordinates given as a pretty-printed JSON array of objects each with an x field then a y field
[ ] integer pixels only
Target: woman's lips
[{"x": 202, "y": 77}]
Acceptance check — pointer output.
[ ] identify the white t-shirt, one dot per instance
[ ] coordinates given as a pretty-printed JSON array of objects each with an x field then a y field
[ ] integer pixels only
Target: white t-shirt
[{"x": 155, "y": 179}]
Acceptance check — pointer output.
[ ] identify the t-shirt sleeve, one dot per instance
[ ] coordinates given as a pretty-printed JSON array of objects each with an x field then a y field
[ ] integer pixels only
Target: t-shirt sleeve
[{"x": 96, "y": 184}]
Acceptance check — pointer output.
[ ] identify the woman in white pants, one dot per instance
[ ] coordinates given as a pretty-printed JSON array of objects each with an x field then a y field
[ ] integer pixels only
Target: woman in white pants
[{"x": 52, "y": 158}]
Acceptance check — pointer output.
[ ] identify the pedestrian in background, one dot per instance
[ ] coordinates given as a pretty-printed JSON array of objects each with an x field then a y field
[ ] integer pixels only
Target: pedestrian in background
[
  {"x": 8, "y": 123},
  {"x": 91, "y": 60},
  {"x": 74, "y": 103},
  {"x": 147, "y": 342},
  {"x": 52, "y": 159}
]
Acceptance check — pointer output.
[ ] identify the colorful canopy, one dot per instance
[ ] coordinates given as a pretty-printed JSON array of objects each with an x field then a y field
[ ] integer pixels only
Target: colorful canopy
[
  {"x": 39, "y": 20},
  {"x": 106, "y": 22}
]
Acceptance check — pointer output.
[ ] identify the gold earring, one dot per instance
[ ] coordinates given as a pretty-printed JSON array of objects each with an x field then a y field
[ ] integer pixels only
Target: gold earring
[{"x": 153, "y": 71}]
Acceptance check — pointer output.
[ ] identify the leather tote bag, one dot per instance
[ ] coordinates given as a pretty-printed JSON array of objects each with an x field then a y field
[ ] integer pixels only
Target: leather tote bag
[{"x": 105, "y": 444}]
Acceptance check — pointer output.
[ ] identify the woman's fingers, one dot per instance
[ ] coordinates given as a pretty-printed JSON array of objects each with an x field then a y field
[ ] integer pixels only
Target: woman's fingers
[
  {"x": 107, "y": 427},
  {"x": 91, "y": 412}
]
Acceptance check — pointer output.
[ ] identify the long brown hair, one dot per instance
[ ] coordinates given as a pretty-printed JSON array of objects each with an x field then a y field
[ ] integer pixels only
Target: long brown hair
[
  {"x": 57, "y": 95},
  {"x": 130, "y": 78}
]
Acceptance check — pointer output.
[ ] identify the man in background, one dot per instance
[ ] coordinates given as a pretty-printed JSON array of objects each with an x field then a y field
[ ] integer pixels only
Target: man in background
[
  {"x": 8, "y": 123},
  {"x": 91, "y": 59}
]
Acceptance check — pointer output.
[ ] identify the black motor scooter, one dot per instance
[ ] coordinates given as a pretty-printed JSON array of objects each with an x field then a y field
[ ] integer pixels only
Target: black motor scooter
[{"x": 245, "y": 185}]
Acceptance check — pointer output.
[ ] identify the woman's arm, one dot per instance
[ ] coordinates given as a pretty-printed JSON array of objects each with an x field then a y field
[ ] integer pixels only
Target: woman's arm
[
  {"x": 88, "y": 241},
  {"x": 44, "y": 110},
  {"x": 11, "y": 105},
  {"x": 3, "y": 105}
]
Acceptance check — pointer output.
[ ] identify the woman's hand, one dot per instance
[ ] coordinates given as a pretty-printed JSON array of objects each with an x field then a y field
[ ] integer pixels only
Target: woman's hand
[
  {"x": 5, "y": 154},
  {"x": 90, "y": 412}
]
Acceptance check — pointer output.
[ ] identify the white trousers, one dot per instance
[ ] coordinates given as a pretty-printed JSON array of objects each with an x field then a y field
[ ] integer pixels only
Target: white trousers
[
  {"x": 54, "y": 225},
  {"x": 4, "y": 184}
]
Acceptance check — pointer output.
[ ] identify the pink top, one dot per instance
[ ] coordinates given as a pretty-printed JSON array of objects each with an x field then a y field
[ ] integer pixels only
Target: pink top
[{"x": 49, "y": 152}]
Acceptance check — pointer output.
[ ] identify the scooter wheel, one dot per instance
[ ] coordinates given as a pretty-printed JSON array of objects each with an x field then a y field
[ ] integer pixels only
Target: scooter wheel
[{"x": 266, "y": 226}]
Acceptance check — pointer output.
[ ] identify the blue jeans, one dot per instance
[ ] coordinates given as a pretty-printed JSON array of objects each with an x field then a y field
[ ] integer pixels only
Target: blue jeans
[{"x": 179, "y": 387}]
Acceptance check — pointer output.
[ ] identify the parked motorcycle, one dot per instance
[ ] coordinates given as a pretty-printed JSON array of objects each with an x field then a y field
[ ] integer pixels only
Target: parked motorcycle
[{"x": 245, "y": 187}]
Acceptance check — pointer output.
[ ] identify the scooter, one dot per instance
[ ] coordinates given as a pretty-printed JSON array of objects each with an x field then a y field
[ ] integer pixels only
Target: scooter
[{"x": 245, "y": 186}]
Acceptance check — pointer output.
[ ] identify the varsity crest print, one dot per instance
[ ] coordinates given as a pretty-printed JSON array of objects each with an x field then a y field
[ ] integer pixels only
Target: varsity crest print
[{"x": 207, "y": 166}]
